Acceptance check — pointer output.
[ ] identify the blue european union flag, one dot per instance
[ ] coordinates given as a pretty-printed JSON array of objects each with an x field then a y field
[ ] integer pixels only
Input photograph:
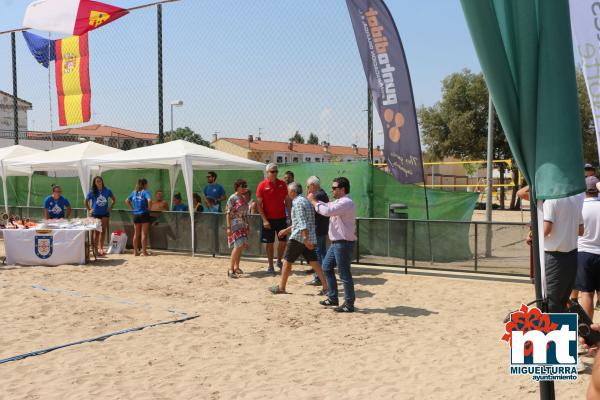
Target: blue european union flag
[{"x": 39, "y": 48}]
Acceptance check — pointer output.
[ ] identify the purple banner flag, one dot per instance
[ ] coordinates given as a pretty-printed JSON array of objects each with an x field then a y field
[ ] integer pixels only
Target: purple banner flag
[{"x": 389, "y": 81}]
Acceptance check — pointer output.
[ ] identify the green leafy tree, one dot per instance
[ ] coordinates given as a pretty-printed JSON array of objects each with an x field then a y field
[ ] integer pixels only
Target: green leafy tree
[
  {"x": 312, "y": 139},
  {"x": 297, "y": 138},
  {"x": 457, "y": 125},
  {"x": 186, "y": 134}
]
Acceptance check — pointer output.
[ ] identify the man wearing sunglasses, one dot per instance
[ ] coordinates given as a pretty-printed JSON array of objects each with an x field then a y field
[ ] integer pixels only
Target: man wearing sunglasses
[
  {"x": 342, "y": 234},
  {"x": 273, "y": 206},
  {"x": 214, "y": 190}
]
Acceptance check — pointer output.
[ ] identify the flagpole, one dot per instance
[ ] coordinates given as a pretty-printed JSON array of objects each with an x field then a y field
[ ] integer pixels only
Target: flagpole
[
  {"x": 14, "y": 73},
  {"x": 50, "y": 94}
]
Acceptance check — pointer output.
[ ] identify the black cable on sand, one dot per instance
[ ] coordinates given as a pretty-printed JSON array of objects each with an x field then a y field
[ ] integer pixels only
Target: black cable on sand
[{"x": 95, "y": 339}]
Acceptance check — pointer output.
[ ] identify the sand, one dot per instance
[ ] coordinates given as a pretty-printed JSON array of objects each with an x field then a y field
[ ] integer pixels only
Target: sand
[{"x": 415, "y": 336}]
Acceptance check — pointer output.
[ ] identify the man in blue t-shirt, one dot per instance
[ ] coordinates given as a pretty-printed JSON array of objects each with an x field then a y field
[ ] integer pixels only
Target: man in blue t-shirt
[
  {"x": 178, "y": 204},
  {"x": 56, "y": 206},
  {"x": 213, "y": 189}
]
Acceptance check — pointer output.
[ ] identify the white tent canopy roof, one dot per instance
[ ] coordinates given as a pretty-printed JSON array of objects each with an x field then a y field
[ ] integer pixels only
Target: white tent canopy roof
[
  {"x": 10, "y": 152},
  {"x": 174, "y": 153},
  {"x": 64, "y": 158},
  {"x": 70, "y": 158}
]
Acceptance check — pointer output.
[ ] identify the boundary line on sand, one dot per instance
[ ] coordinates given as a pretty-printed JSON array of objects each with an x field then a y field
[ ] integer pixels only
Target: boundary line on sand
[{"x": 94, "y": 339}]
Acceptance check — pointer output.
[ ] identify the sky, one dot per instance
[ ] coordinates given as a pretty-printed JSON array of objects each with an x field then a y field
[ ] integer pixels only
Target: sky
[{"x": 277, "y": 66}]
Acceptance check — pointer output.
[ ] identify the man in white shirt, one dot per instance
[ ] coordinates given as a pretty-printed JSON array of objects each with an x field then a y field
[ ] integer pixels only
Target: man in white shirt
[
  {"x": 588, "y": 248},
  {"x": 562, "y": 224}
]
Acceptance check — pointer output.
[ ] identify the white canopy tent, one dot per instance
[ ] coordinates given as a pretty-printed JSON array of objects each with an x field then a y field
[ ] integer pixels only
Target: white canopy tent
[
  {"x": 8, "y": 153},
  {"x": 175, "y": 156},
  {"x": 70, "y": 158}
]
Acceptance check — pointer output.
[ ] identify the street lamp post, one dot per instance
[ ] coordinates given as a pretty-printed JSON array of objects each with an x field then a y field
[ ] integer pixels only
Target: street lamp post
[{"x": 175, "y": 103}]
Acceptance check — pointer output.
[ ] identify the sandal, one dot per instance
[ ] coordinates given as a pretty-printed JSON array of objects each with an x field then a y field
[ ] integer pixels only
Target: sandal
[
  {"x": 322, "y": 292},
  {"x": 239, "y": 271},
  {"x": 275, "y": 289}
]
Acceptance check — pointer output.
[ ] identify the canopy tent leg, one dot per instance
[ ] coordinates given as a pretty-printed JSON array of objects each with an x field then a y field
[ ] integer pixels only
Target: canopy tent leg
[
  {"x": 84, "y": 179},
  {"x": 188, "y": 178},
  {"x": 29, "y": 190},
  {"x": 173, "y": 174},
  {"x": 5, "y": 191}
]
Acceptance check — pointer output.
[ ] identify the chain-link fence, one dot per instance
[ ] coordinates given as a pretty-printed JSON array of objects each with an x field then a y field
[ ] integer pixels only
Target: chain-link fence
[
  {"x": 267, "y": 68},
  {"x": 493, "y": 248}
]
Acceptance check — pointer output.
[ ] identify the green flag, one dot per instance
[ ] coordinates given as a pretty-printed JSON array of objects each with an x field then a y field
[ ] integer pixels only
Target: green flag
[{"x": 526, "y": 54}]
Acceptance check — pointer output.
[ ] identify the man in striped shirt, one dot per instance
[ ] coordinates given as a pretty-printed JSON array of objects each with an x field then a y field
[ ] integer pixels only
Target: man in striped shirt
[{"x": 302, "y": 239}]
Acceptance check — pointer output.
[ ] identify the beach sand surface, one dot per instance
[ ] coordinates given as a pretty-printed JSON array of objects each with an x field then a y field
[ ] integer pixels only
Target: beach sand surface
[{"x": 415, "y": 336}]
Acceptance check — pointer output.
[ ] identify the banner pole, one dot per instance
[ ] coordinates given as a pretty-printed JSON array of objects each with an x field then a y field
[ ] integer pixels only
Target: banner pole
[
  {"x": 369, "y": 125},
  {"x": 546, "y": 387}
]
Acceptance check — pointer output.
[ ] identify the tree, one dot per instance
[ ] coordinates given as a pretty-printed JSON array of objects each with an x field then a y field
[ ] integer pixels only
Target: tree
[
  {"x": 186, "y": 134},
  {"x": 297, "y": 138},
  {"x": 313, "y": 139},
  {"x": 457, "y": 125}
]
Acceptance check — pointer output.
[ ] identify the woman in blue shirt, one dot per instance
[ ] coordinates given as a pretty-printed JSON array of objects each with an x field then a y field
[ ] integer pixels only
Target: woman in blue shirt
[
  {"x": 140, "y": 201},
  {"x": 96, "y": 202},
  {"x": 56, "y": 206}
]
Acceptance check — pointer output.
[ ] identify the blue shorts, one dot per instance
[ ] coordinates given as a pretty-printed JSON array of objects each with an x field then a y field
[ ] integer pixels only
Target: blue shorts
[{"x": 588, "y": 272}]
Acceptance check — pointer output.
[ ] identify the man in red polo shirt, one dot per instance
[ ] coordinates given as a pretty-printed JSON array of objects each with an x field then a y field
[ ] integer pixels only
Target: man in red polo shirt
[{"x": 273, "y": 206}]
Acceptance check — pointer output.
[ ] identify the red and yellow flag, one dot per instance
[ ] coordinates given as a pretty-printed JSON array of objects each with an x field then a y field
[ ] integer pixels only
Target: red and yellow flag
[{"x": 73, "y": 80}]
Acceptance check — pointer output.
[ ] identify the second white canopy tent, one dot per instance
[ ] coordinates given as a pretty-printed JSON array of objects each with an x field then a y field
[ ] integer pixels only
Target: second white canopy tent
[{"x": 175, "y": 156}]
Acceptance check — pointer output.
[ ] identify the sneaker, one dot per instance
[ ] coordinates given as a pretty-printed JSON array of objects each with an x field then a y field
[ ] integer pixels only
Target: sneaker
[
  {"x": 279, "y": 264},
  {"x": 329, "y": 302},
  {"x": 314, "y": 282},
  {"x": 344, "y": 308},
  {"x": 271, "y": 270},
  {"x": 322, "y": 292}
]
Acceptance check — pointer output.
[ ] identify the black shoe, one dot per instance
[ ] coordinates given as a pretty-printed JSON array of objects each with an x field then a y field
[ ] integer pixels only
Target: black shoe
[
  {"x": 314, "y": 282},
  {"x": 271, "y": 271},
  {"x": 322, "y": 292},
  {"x": 279, "y": 264},
  {"x": 344, "y": 308},
  {"x": 329, "y": 302}
]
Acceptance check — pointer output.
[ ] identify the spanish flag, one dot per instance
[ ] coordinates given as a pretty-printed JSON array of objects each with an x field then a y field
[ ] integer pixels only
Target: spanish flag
[{"x": 73, "y": 80}]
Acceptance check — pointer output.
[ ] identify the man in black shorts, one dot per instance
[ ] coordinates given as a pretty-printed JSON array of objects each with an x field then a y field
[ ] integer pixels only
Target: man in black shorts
[
  {"x": 273, "y": 205},
  {"x": 588, "y": 248},
  {"x": 303, "y": 237}
]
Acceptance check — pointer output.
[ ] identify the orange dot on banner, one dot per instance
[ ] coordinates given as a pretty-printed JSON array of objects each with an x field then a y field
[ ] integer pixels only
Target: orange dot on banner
[
  {"x": 394, "y": 134},
  {"x": 399, "y": 120},
  {"x": 388, "y": 115}
]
